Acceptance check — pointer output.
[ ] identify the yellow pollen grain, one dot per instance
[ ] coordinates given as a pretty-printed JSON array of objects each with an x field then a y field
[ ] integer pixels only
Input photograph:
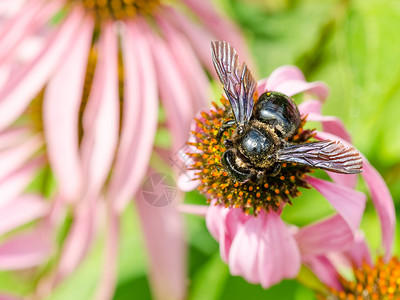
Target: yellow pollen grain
[
  {"x": 269, "y": 198},
  {"x": 240, "y": 193},
  {"x": 229, "y": 196},
  {"x": 266, "y": 185},
  {"x": 282, "y": 178},
  {"x": 250, "y": 188},
  {"x": 276, "y": 191},
  {"x": 287, "y": 192},
  {"x": 258, "y": 195},
  {"x": 292, "y": 178}
]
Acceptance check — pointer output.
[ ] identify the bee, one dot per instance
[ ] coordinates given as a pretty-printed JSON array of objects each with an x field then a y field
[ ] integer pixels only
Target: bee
[{"x": 259, "y": 145}]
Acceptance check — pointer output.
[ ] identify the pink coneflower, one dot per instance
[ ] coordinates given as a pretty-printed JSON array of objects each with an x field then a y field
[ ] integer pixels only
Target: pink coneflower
[
  {"x": 81, "y": 83},
  {"x": 379, "y": 280},
  {"x": 244, "y": 217}
]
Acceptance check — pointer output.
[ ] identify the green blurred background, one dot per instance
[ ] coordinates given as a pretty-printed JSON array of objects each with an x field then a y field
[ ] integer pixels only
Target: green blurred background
[{"x": 353, "y": 46}]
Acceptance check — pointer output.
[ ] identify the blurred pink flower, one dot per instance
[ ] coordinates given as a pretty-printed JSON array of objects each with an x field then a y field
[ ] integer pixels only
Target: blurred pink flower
[
  {"x": 80, "y": 84},
  {"x": 264, "y": 249}
]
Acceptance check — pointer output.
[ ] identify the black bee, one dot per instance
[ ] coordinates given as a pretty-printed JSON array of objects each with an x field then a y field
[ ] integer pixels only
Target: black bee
[{"x": 259, "y": 144}]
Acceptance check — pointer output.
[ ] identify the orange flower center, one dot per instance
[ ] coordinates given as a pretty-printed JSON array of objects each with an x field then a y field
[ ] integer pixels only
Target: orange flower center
[
  {"x": 272, "y": 193},
  {"x": 380, "y": 282},
  {"x": 118, "y": 9}
]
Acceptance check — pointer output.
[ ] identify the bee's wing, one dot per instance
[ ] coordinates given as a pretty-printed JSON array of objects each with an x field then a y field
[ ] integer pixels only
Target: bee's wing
[
  {"x": 327, "y": 155},
  {"x": 239, "y": 84}
]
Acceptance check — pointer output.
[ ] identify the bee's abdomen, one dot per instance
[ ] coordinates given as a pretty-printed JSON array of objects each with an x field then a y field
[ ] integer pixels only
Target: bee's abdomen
[{"x": 278, "y": 111}]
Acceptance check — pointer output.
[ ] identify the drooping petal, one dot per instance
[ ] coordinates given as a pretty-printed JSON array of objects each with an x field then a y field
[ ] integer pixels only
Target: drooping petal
[
  {"x": 174, "y": 96},
  {"x": 29, "y": 19},
  {"x": 293, "y": 87},
  {"x": 244, "y": 252},
  {"x": 14, "y": 184},
  {"x": 279, "y": 255},
  {"x": 101, "y": 116},
  {"x": 282, "y": 74},
  {"x": 193, "y": 209},
  {"x": 324, "y": 269},
  {"x": 194, "y": 77},
  {"x": 331, "y": 125},
  {"x": 310, "y": 106},
  {"x": 359, "y": 253},
  {"x": 22, "y": 210},
  {"x": 198, "y": 36},
  {"x": 106, "y": 286},
  {"x": 61, "y": 107},
  {"x": 334, "y": 126},
  {"x": 18, "y": 92},
  {"x": 79, "y": 239},
  {"x": 347, "y": 202},
  {"x": 216, "y": 221},
  {"x": 380, "y": 195},
  {"x": 139, "y": 115},
  {"x": 14, "y": 158},
  {"x": 222, "y": 28},
  {"x": 383, "y": 203},
  {"x": 25, "y": 250},
  {"x": 331, "y": 234},
  {"x": 164, "y": 237}
]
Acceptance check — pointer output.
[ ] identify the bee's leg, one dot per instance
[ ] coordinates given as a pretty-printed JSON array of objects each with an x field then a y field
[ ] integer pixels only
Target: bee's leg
[
  {"x": 236, "y": 172},
  {"x": 276, "y": 169},
  {"x": 224, "y": 127}
]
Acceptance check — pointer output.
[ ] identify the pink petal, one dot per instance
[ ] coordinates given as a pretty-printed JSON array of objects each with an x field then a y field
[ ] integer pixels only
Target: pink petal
[
  {"x": 335, "y": 126},
  {"x": 310, "y": 106},
  {"x": 14, "y": 184},
  {"x": 9, "y": 297},
  {"x": 139, "y": 117},
  {"x": 331, "y": 125},
  {"x": 383, "y": 203},
  {"x": 164, "y": 237},
  {"x": 348, "y": 203},
  {"x": 106, "y": 286},
  {"x": 244, "y": 251},
  {"x": 331, "y": 234},
  {"x": 359, "y": 253},
  {"x": 324, "y": 270},
  {"x": 194, "y": 77},
  {"x": 193, "y": 209},
  {"x": 79, "y": 238},
  {"x": 293, "y": 87},
  {"x": 14, "y": 158},
  {"x": 29, "y": 19},
  {"x": 101, "y": 116},
  {"x": 217, "y": 226},
  {"x": 282, "y": 74},
  {"x": 186, "y": 182},
  {"x": 221, "y": 27},
  {"x": 380, "y": 195},
  {"x": 61, "y": 107},
  {"x": 175, "y": 96},
  {"x": 22, "y": 210},
  {"x": 19, "y": 91},
  {"x": 14, "y": 136},
  {"x": 198, "y": 36},
  {"x": 279, "y": 256},
  {"x": 25, "y": 250}
]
